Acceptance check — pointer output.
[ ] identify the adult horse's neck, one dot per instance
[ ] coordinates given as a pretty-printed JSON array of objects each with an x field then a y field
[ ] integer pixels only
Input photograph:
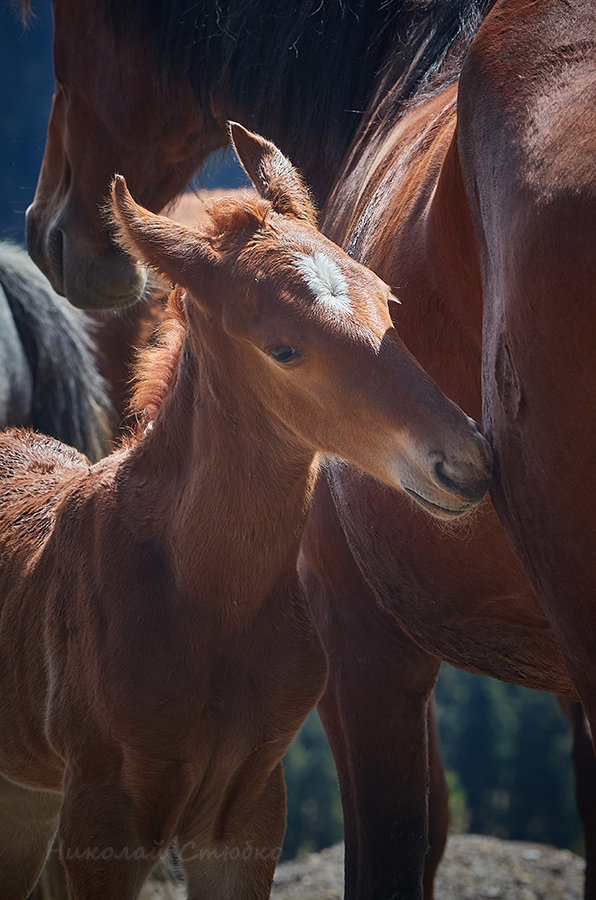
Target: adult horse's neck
[
  {"x": 230, "y": 484},
  {"x": 401, "y": 208}
]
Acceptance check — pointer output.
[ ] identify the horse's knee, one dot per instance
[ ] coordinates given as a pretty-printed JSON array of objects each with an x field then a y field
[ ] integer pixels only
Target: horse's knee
[{"x": 243, "y": 863}]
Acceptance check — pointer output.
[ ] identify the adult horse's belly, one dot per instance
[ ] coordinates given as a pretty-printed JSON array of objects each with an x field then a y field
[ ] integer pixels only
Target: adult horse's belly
[{"x": 458, "y": 589}]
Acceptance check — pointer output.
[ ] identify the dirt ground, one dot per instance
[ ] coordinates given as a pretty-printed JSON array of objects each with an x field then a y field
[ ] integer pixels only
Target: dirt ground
[{"x": 474, "y": 868}]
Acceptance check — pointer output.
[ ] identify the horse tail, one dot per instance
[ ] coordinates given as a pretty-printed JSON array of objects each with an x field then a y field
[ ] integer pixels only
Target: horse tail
[{"x": 69, "y": 394}]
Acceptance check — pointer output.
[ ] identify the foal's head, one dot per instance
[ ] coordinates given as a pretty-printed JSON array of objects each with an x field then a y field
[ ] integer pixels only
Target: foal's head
[{"x": 286, "y": 318}]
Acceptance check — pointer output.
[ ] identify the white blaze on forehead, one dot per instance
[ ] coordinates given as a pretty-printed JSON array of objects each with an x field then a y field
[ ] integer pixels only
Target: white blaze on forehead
[{"x": 326, "y": 281}]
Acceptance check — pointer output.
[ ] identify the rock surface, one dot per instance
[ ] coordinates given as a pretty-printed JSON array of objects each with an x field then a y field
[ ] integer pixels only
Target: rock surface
[{"x": 474, "y": 868}]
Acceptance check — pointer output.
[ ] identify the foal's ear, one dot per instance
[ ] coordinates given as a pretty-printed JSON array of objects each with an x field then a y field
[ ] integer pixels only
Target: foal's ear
[
  {"x": 174, "y": 250},
  {"x": 273, "y": 175}
]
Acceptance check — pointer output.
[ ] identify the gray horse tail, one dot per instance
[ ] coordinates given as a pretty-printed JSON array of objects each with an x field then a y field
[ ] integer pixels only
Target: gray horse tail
[{"x": 69, "y": 399}]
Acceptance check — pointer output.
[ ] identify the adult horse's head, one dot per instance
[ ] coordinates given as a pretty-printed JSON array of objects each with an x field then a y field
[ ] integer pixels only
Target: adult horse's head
[
  {"x": 145, "y": 89},
  {"x": 112, "y": 111}
]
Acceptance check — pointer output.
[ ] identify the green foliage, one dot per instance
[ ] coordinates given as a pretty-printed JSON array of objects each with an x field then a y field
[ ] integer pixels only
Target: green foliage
[{"x": 508, "y": 753}]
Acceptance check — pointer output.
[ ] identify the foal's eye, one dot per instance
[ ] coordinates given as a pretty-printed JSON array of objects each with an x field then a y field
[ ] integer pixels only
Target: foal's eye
[{"x": 282, "y": 353}]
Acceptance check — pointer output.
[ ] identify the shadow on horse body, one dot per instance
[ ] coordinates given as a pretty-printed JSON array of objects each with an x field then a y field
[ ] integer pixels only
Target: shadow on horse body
[
  {"x": 170, "y": 653},
  {"x": 48, "y": 371},
  {"x": 476, "y": 205}
]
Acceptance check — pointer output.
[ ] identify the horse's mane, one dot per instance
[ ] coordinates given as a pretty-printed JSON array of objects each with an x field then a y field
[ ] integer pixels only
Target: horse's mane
[
  {"x": 437, "y": 45},
  {"x": 22, "y": 6},
  {"x": 157, "y": 364},
  {"x": 439, "y": 36},
  {"x": 305, "y": 69}
]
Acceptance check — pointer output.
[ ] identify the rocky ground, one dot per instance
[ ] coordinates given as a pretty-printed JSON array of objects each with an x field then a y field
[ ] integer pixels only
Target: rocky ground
[{"x": 474, "y": 868}]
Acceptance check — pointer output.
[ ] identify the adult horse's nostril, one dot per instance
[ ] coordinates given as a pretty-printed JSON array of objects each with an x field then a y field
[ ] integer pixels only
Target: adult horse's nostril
[{"x": 55, "y": 252}]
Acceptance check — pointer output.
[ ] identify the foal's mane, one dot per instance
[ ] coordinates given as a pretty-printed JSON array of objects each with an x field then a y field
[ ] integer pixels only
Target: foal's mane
[
  {"x": 229, "y": 221},
  {"x": 157, "y": 363},
  {"x": 302, "y": 73}
]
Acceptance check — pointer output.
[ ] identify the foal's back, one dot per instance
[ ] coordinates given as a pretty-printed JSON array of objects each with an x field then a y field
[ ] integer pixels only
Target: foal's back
[{"x": 35, "y": 474}]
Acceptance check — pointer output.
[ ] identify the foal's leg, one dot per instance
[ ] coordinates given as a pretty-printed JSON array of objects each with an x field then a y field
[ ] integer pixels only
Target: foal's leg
[
  {"x": 375, "y": 713},
  {"x": 28, "y": 823},
  {"x": 112, "y": 831},
  {"x": 241, "y": 865}
]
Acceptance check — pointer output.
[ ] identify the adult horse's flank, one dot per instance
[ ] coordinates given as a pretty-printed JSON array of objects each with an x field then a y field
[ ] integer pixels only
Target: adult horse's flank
[
  {"x": 478, "y": 205},
  {"x": 156, "y": 651},
  {"x": 150, "y": 96},
  {"x": 48, "y": 370}
]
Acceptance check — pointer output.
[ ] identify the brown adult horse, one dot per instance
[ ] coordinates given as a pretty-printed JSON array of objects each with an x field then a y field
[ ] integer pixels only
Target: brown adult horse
[
  {"x": 477, "y": 204},
  {"x": 150, "y": 96},
  {"x": 156, "y": 651}
]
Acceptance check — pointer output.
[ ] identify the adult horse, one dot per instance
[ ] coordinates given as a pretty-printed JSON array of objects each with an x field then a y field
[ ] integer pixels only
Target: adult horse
[
  {"x": 171, "y": 73},
  {"x": 156, "y": 651},
  {"x": 477, "y": 204},
  {"x": 48, "y": 370}
]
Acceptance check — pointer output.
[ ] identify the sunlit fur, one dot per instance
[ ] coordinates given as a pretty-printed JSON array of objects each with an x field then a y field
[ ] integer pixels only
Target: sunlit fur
[
  {"x": 326, "y": 282},
  {"x": 157, "y": 654}
]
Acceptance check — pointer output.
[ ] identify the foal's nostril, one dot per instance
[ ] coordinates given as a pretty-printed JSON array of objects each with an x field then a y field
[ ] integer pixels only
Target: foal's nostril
[{"x": 468, "y": 484}]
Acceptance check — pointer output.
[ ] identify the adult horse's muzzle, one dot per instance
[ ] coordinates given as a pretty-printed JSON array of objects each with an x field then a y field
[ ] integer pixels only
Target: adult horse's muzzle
[{"x": 90, "y": 276}]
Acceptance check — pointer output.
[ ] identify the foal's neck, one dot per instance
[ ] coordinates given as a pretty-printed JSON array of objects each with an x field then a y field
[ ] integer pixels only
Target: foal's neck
[{"x": 234, "y": 484}]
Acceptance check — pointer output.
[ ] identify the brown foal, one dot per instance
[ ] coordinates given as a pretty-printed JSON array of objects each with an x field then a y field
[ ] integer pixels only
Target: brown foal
[{"x": 156, "y": 652}]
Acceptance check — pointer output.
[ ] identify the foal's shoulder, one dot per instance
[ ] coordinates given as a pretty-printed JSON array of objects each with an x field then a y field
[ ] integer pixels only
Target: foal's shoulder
[{"x": 23, "y": 452}]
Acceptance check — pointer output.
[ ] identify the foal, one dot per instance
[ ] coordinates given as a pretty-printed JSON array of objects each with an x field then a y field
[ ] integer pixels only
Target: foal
[{"x": 156, "y": 653}]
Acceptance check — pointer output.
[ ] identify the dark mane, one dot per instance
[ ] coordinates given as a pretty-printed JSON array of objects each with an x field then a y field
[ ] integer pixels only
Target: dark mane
[
  {"x": 432, "y": 59},
  {"x": 303, "y": 73},
  {"x": 439, "y": 35}
]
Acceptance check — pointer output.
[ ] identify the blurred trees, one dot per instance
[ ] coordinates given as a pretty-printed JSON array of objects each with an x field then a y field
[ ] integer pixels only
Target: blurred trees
[{"x": 507, "y": 755}]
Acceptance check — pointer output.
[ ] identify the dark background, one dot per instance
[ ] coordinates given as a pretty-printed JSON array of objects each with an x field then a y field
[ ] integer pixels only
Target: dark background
[{"x": 26, "y": 88}]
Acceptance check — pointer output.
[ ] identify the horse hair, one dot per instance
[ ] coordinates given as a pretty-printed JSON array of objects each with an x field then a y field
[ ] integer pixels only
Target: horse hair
[
  {"x": 309, "y": 83},
  {"x": 69, "y": 395}
]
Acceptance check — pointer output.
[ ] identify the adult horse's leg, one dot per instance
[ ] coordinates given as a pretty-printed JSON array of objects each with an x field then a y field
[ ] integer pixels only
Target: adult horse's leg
[
  {"x": 438, "y": 806},
  {"x": 240, "y": 864},
  {"x": 28, "y": 822},
  {"x": 527, "y": 145},
  {"x": 375, "y": 712},
  {"x": 584, "y": 767}
]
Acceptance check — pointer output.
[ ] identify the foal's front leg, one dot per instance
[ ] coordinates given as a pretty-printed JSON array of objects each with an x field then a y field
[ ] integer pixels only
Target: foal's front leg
[
  {"x": 240, "y": 864},
  {"x": 28, "y": 822},
  {"x": 114, "y": 828}
]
